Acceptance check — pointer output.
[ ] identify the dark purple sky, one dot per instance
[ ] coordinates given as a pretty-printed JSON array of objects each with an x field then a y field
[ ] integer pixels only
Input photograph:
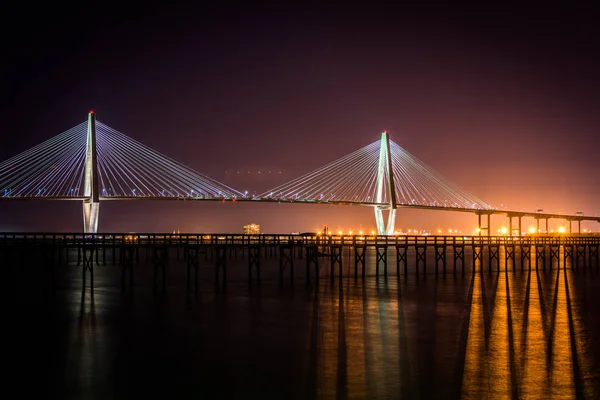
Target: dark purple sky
[{"x": 502, "y": 100}]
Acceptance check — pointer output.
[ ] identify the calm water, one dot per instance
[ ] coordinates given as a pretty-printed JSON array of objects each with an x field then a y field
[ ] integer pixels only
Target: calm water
[{"x": 522, "y": 334}]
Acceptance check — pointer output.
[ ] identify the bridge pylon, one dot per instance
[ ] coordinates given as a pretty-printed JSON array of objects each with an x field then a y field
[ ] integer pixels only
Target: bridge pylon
[
  {"x": 91, "y": 204},
  {"x": 386, "y": 190}
]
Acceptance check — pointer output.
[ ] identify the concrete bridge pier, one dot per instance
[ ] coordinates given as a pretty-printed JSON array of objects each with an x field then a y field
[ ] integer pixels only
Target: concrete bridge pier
[{"x": 480, "y": 228}]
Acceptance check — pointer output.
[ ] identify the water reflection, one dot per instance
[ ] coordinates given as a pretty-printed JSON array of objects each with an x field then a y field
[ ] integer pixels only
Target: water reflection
[
  {"x": 487, "y": 335},
  {"x": 518, "y": 334}
]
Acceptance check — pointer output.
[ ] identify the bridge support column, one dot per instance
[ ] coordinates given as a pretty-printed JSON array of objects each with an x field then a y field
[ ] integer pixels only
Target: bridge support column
[
  {"x": 385, "y": 174},
  {"x": 382, "y": 228},
  {"x": 90, "y": 216},
  {"x": 480, "y": 228},
  {"x": 510, "y": 225},
  {"x": 91, "y": 205}
]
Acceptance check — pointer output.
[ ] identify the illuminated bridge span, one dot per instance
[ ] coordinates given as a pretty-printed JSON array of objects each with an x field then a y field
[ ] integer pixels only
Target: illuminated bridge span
[{"x": 92, "y": 162}]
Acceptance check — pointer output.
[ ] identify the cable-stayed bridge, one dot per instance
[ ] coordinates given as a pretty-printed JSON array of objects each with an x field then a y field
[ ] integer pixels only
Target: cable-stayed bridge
[{"x": 92, "y": 162}]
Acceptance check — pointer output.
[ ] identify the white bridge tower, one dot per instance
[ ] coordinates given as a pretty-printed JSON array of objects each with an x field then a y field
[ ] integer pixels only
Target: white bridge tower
[
  {"x": 91, "y": 203},
  {"x": 385, "y": 186}
]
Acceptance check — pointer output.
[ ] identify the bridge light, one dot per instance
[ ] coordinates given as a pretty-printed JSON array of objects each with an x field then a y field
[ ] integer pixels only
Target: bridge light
[
  {"x": 339, "y": 232},
  {"x": 350, "y": 232},
  {"x": 561, "y": 229},
  {"x": 361, "y": 232},
  {"x": 503, "y": 230},
  {"x": 532, "y": 229}
]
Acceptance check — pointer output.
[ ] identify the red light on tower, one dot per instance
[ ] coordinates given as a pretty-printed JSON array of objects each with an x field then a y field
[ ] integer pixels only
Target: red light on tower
[{"x": 91, "y": 111}]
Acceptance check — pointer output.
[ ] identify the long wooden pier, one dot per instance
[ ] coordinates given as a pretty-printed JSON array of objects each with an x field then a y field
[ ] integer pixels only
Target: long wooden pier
[{"x": 399, "y": 252}]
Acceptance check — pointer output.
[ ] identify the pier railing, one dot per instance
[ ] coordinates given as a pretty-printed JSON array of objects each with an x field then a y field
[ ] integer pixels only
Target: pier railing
[{"x": 215, "y": 239}]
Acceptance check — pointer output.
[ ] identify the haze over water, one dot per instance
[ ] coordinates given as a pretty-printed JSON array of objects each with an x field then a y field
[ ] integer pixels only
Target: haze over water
[{"x": 516, "y": 334}]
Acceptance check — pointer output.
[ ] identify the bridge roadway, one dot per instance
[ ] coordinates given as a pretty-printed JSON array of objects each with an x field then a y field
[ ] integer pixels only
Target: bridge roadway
[{"x": 479, "y": 212}]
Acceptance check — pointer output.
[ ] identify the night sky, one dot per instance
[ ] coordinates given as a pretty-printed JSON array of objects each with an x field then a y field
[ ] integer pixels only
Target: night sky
[{"x": 501, "y": 100}]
